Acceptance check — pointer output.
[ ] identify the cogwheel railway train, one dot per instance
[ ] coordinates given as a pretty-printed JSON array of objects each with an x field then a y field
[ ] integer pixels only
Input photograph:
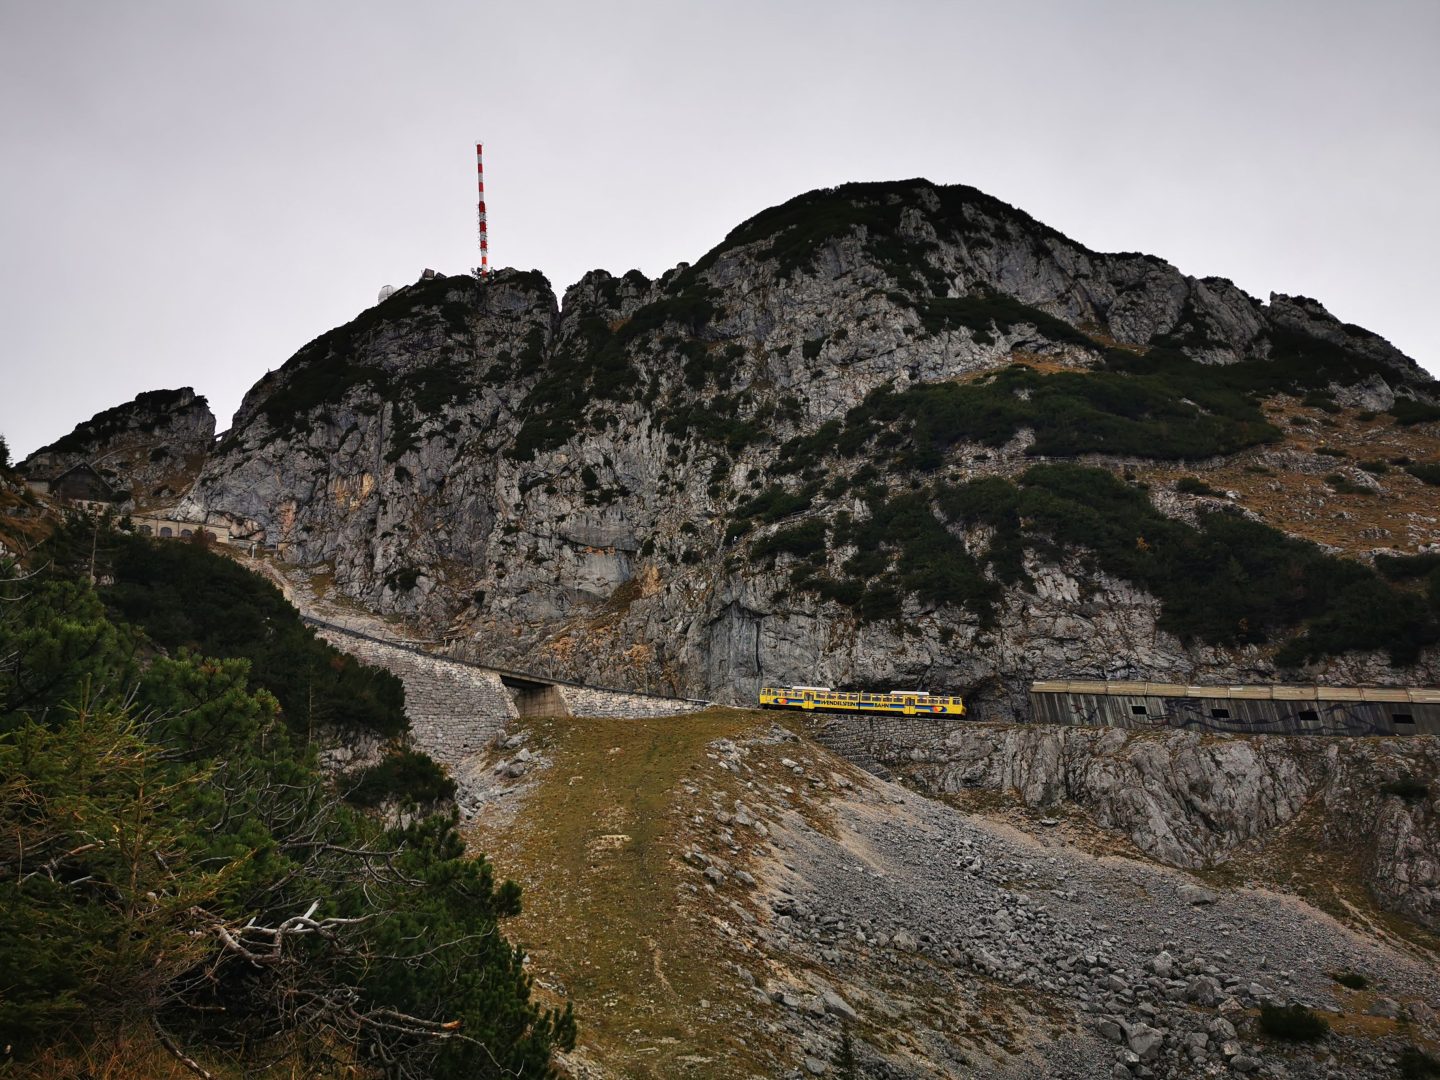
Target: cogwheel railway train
[{"x": 894, "y": 702}]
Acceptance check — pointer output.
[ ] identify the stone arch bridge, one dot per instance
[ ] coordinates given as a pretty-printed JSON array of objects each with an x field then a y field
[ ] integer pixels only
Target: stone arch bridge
[{"x": 456, "y": 707}]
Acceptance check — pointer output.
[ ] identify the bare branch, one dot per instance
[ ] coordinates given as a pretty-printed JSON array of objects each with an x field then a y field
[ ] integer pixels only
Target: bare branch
[
  {"x": 270, "y": 951},
  {"x": 179, "y": 1055},
  {"x": 48, "y": 869}
]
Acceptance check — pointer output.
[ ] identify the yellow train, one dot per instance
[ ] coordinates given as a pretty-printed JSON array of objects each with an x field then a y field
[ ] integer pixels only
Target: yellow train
[{"x": 895, "y": 702}]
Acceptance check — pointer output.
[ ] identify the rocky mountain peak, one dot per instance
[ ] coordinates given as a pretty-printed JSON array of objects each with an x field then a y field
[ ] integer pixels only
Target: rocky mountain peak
[{"x": 152, "y": 446}]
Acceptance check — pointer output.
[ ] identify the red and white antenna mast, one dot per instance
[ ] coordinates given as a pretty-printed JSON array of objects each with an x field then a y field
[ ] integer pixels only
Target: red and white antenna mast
[{"x": 484, "y": 270}]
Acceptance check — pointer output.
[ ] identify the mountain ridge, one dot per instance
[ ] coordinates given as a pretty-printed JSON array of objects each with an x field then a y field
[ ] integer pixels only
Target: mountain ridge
[{"x": 763, "y": 465}]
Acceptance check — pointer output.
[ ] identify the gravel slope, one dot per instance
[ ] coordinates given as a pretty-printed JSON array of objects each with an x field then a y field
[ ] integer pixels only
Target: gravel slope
[{"x": 966, "y": 947}]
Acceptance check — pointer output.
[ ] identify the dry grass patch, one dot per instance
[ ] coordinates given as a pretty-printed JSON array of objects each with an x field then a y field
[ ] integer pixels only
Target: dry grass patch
[
  {"x": 22, "y": 527},
  {"x": 131, "y": 1054},
  {"x": 1284, "y": 484},
  {"x": 1048, "y": 365},
  {"x": 597, "y": 847}
]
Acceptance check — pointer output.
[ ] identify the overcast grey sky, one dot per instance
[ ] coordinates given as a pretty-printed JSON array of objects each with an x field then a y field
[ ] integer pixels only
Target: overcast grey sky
[{"x": 191, "y": 190}]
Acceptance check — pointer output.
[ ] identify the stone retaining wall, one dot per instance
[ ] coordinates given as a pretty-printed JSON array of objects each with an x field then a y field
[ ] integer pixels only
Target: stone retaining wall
[
  {"x": 872, "y": 741},
  {"x": 588, "y": 701},
  {"x": 454, "y": 709}
]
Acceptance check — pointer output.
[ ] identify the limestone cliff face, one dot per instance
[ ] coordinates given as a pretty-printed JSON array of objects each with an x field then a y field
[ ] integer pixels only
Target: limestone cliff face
[
  {"x": 152, "y": 447},
  {"x": 377, "y": 446},
  {"x": 584, "y": 486}
]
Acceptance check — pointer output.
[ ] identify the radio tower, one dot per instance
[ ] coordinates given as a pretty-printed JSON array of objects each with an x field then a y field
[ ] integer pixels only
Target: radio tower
[{"x": 484, "y": 270}]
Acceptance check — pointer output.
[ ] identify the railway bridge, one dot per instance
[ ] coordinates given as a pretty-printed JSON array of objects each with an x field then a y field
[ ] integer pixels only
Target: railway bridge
[{"x": 456, "y": 707}]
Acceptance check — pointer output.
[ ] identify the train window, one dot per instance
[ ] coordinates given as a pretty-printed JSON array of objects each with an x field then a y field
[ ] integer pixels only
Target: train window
[
  {"x": 1219, "y": 714},
  {"x": 1308, "y": 716},
  {"x": 1138, "y": 710},
  {"x": 1403, "y": 718}
]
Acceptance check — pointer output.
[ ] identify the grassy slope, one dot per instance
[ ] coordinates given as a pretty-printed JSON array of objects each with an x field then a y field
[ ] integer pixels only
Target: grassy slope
[
  {"x": 1297, "y": 500},
  {"x": 616, "y": 920},
  {"x": 1301, "y": 504},
  {"x": 596, "y": 849},
  {"x": 129, "y": 1055}
]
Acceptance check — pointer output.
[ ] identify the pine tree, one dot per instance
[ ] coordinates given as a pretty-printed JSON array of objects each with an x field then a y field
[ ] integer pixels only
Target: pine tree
[
  {"x": 172, "y": 859},
  {"x": 100, "y": 889}
]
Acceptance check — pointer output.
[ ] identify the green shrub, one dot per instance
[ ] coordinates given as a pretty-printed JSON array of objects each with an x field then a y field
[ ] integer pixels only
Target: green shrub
[
  {"x": 1229, "y": 581},
  {"x": 183, "y": 596},
  {"x": 220, "y": 817},
  {"x": 797, "y": 231},
  {"x": 594, "y": 365},
  {"x": 1427, "y": 472},
  {"x": 1407, "y": 411},
  {"x": 1322, "y": 400},
  {"x": 880, "y": 602},
  {"x": 1192, "y": 329},
  {"x": 1298, "y": 363},
  {"x": 1294, "y": 1023},
  {"x": 1416, "y": 1064},
  {"x": 1407, "y": 567},
  {"x": 716, "y": 422},
  {"x": 845, "y": 591},
  {"x": 1331, "y": 451},
  {"x": 1353, "y": 979},
  {"x": 775, "y": 503},
  {"x": 403, "y": 578},
  {"x": 1193, "y": 485},
  {"x": 111, "y": 422},
  {"x": 1407, "y": 788},
  {"x": 987, "y": 310},
  {"x": 1375, "y": 468},
  {"x": 735, "y": 530},
  {"x": 904, "y": 549},
  {"x": 811, "y": 349},
  {"x": 1343, "y": 485},
  {"x": 404, "y": 776},
  {"x": 807, "y": 538},
  {"x": 1070, "y": 413},
  {"x": 326, "y": 370}
]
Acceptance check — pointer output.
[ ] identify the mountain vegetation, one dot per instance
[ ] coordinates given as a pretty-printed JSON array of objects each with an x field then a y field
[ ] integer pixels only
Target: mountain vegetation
[
  {"x": 176, "y": 872},
  {"x": 1226, "y": 581},
  {"x": 144, "y": 414}
]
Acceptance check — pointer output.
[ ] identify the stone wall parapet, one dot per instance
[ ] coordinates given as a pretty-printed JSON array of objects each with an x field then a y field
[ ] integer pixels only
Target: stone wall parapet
[{"x": 456, "y": 707}]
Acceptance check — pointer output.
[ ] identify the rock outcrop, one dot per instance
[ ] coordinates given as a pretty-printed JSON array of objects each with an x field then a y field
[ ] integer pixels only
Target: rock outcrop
[
  {"x": 152, "y": 447},
  {"x": 1195, "y": 801}
]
